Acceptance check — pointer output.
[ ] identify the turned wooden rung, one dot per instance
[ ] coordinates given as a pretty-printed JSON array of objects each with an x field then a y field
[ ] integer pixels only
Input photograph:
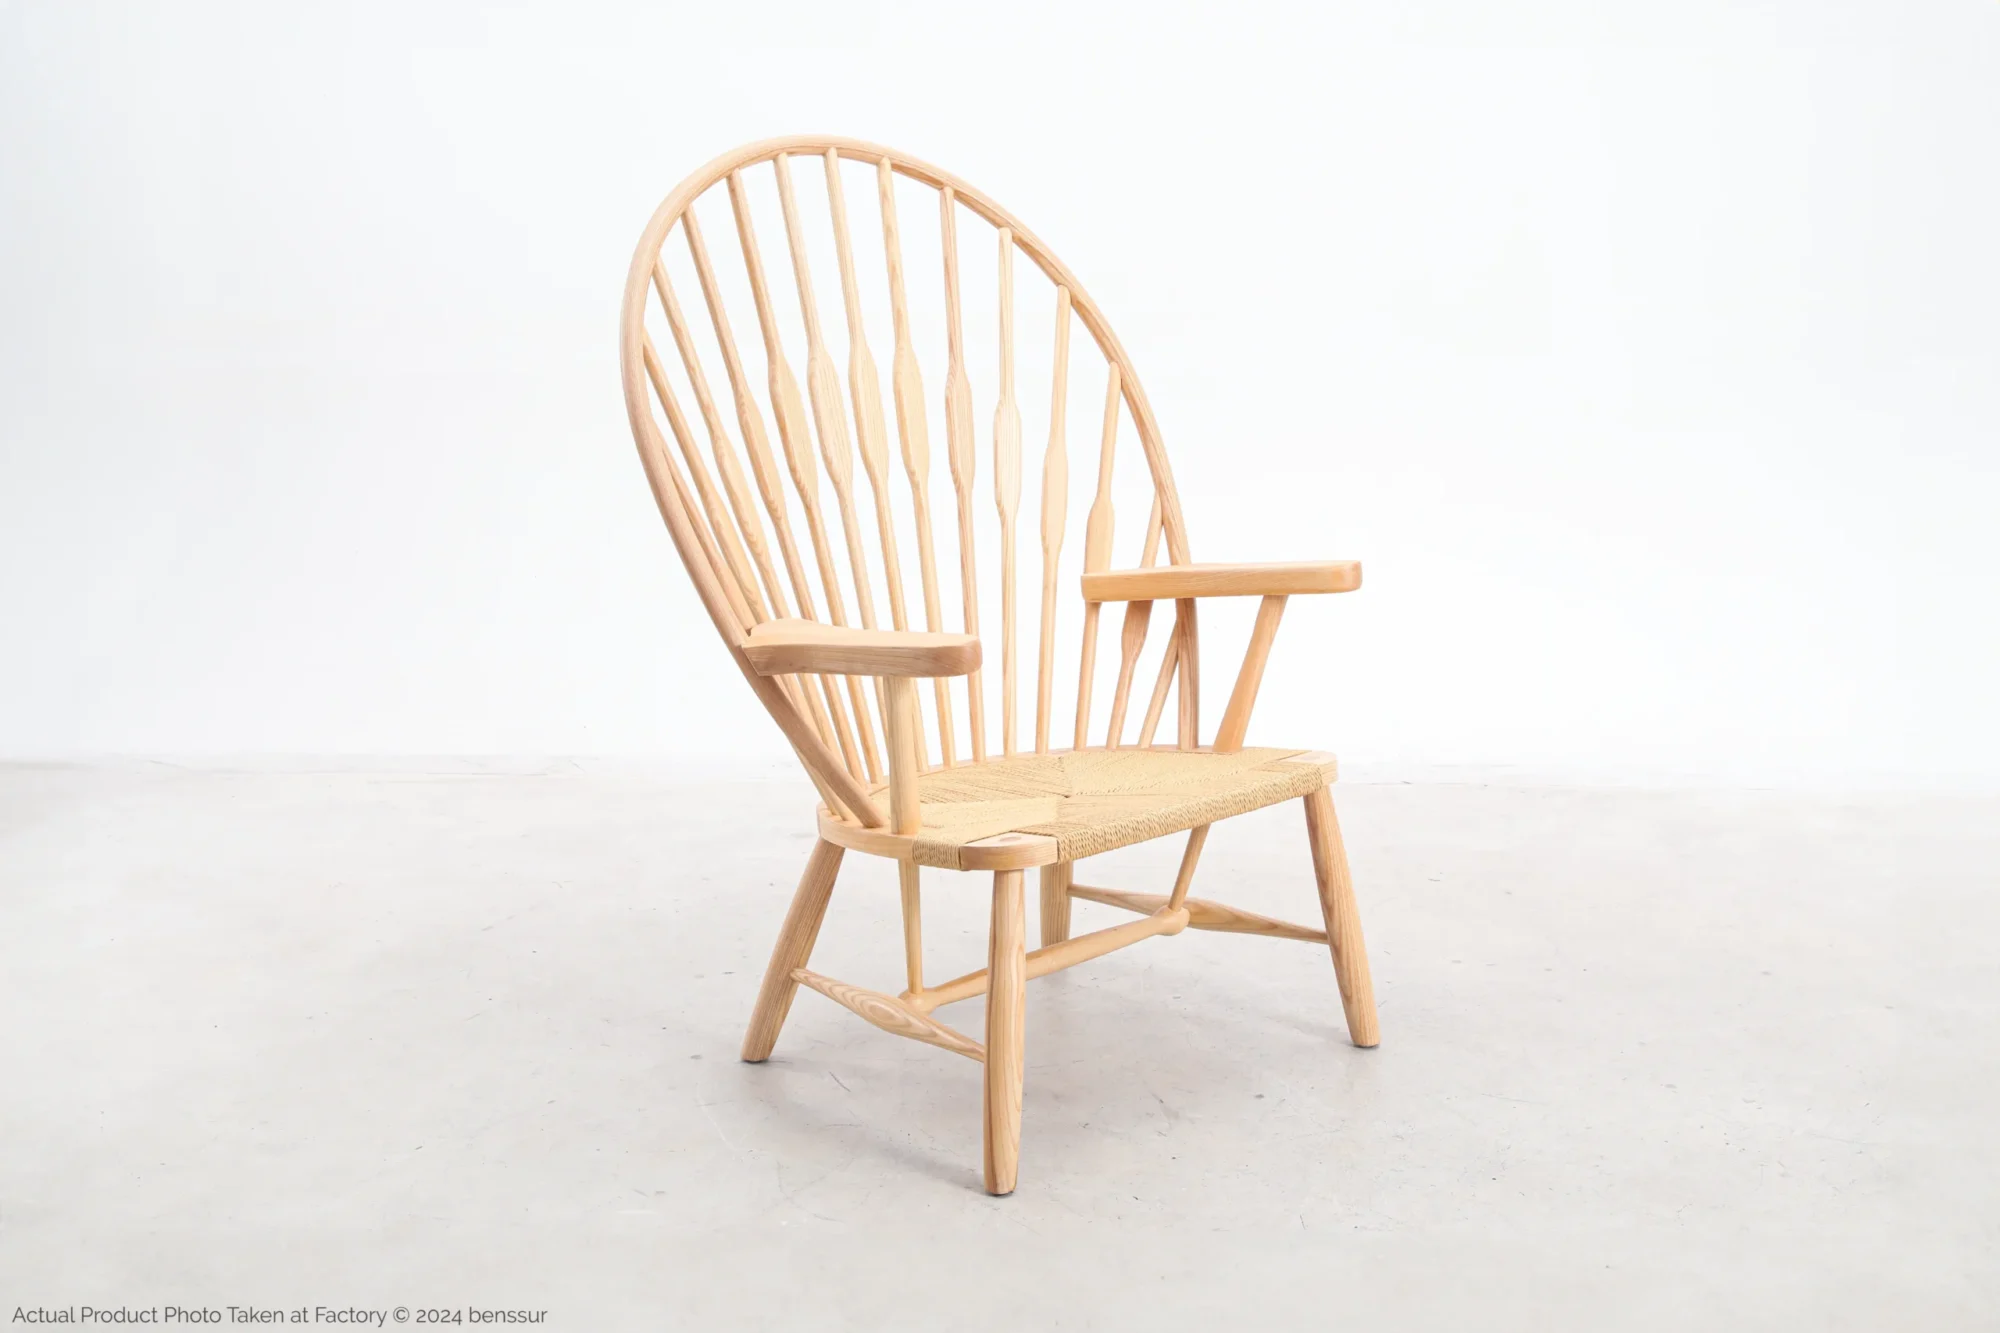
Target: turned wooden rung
[
  {"x": 891, "y": 1014},
  {"x": 1202, "y": 914},
  {"x": 1055, "y": 957}
]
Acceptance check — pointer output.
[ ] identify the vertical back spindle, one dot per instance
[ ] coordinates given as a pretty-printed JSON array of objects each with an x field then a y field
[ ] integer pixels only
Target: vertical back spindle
[
  {"x": 865, "y": 386},
  {"x": 790, "y": 413},
  {"x": 829, "y": 413},
  {"x": 735, "y": 562},
  {"x": 1055, "y": 506},
  {"x": 962, "y": 457},
  {"x": 1138, "y": 615},
  {"x": 912, "y": 428},
  {"x": 1007, "y": 485},
  {"x": 1097, "y": 553},
  {"x": 758, "y": 445},
  {"x": 725, "y": 460}
]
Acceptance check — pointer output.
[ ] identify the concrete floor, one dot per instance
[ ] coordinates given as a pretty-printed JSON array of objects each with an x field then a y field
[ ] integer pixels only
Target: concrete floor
[{"x": 1651, "y": 1060}]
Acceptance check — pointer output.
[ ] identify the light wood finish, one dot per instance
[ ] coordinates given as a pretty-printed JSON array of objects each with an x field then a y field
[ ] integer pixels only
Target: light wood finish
[
  {"x": 1183, "y": 581},
  {"x": 913, "y": 429},
  {"x": 1188, "y": 733},
  {"x": 792, "y": 951},
  {"x": 1190, "y": 856},
  {"x": 796, "y": 610},
  {"x": 834, "y": 716},
  {"x": 1055, "y": 957},
  {"x": 892, "y": 1015},
  {"x": 1343, "y": 920},
  {"x": 1170, "y": 662},
  {"x": 1323, "y": 760},
  {"x": 904, "y": 766},
  {"x": 779, "y": 647},
  {"x": 1202, "y": 914},
  {"x": 1236, "y": 717},
  {"x": 909, "y": 882},
  {"x": 798, "y": 447},
  {"x": 1097, "y": 535},
  {"x": 730, "y": 616},
  {"x": 1055, "y": 506},
  {"x": 1132, "y": 636},
  {"x": 769, "y": 489},
  {"x": 865, "y": 386},
  {"x": 1002, "y": 851},
  {"x": 721, "y": 531},
  {"x": 836, "y": 449},
  {"x": 961, "y": 455},
  {"x": 1007, "y": 487},
  {"x": 1006, "y": 1031},
  {"x": 1055, "y": 903}
]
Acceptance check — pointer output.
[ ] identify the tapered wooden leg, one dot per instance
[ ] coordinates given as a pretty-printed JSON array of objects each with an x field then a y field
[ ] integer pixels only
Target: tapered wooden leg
[
  {"x": 1055, "y": 901},
  {"x": 910, "y": 876},
  {"x": 793, "y": 950},
  {"x": 1006, "y": 1030},
  {"x": 1343, "y": 920}
]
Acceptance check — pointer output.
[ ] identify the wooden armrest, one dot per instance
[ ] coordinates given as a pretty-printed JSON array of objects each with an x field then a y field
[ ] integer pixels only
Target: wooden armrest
[
  {"x": 781, "y": 647},
  {"x": 1171, "y": 582}
]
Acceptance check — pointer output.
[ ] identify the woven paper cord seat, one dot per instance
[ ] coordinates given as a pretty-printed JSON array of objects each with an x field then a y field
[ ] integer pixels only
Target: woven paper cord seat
[{"x": 1092, "y": 801}]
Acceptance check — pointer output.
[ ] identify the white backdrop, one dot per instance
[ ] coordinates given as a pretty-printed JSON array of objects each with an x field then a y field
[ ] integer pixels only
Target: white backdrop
[{"x": 1648, "y": 363}]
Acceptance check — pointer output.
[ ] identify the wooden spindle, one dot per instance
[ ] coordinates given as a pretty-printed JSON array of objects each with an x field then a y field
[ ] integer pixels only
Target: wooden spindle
[
  {"x": 1132, "y": 638},
  {"x": 725, "y": 456},
  {"x": 734, "y": 559},
  {"x": 719, "y": 540},
  {"x": 962, "y": 457},
  {"x": 761, "y": 463},
  {"x": 865, "y": 386},
  {"x": 1188, "y": 734},
  {"x": 1169, "y": 662},
  {"x": 828, "y": 412},
  {"x": 914, "y": 431},
  {"x": 1236, "y": 717},
  {"x": 769, "y": 485},
  {"x": 1007, "y": 485},
  {"x": 792, "y": 431},
  {"x": 734, "y": 586},
  {"x": 1055, "y": 507},
  {"x": 1097, "y": 532}
]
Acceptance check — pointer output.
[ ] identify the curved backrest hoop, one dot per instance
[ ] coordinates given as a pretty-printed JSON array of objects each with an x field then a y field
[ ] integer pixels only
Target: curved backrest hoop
[{"x": 752, "y": 548}]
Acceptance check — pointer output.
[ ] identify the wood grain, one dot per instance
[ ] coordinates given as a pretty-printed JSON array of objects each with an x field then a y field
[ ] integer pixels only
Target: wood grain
[
  {"x": 1097, "y": 534},
  {"x": 1236, "y": 716},
  {"x": 913, "y": 429},
  {"x": 792, "y": 951},
  {"x": 891, "y": 1015},
  {"x": 1007, "y": 487},
  {"x": 962, "y": 456},
  {"x": 779, "y": 647},
  {"x": 1055, "y": 882},
  {"x": 1185, "y": 581},
  {"x": 1202, "y": 914},
  {"x": 1055, "y": 508},
  {"x": 1006, "y": 1032},
  {"x": 1343, "y": 920}
]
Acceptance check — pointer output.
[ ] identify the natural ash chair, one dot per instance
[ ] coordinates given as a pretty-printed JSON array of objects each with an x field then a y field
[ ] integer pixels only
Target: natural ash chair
[{"x": 807, "y": 631}]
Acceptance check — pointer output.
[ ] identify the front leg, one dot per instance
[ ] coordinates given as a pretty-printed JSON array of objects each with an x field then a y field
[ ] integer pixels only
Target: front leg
[
  {"x": 793, "y": 950},
  {"x": 1343, "y": 920},
  {"x": 1006, "y": 1030}
]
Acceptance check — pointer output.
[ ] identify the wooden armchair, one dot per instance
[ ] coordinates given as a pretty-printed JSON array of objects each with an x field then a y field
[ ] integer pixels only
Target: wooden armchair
[{"x": 808, "y": 633}]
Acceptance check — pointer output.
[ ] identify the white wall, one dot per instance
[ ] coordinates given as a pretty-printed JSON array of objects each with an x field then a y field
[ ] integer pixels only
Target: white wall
[{"x": 1648, "y": 363}]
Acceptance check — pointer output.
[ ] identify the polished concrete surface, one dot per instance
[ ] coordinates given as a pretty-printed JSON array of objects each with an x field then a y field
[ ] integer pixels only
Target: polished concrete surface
[{"x": 1652, "y": 1059}]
